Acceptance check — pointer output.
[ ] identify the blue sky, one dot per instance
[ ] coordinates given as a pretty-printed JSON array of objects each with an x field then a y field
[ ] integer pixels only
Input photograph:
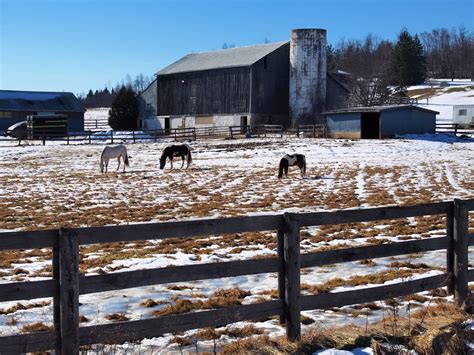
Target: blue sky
[{"x": 74, "y": 45}]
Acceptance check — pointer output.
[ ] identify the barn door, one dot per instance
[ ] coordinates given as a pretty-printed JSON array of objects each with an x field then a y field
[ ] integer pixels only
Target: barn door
[{"x": 370, "y": 125}]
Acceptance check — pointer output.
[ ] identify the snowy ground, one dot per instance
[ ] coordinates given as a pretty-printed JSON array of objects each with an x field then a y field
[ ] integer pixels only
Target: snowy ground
[{"x": 57, "y": 185}]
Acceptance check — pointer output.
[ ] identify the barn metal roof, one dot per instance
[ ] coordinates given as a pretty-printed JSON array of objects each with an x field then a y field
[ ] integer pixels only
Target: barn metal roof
[
  {"x": 378, "y": 109},
  {"x": 227, "y": 58},
  {"x": 11, "y": 100}
]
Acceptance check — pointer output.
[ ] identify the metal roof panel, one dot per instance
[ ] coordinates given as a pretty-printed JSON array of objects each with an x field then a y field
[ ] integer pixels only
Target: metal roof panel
[{"x": 227, "y": 58}]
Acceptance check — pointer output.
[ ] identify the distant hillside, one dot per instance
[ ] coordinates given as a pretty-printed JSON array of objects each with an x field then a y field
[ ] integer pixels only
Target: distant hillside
[{"x": 442, "y": 94}]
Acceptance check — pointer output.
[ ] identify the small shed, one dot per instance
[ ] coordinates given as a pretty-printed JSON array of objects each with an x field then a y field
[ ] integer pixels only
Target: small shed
[
  {"x": 380, "y": 121},
  {"x": 16, "y": 106},
  {"x": 463, "y": 114}
]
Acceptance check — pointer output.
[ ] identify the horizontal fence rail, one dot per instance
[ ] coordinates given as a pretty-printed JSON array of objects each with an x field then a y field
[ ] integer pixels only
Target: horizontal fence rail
[
  {"x": 455, "y": 128},
  {"x": 66, "y": 284},
  {"x": 100, "y": 133},
  {"x": 93, "y": 134}
]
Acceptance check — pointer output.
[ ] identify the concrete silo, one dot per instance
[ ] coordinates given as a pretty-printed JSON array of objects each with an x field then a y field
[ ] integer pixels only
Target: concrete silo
[{"x": 307, "y": 96}]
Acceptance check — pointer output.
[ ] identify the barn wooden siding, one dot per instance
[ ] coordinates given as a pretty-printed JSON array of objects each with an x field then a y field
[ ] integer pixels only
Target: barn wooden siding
[
  {"x": 260, "y": 89},
  {"x": 270, "y": 83},
  {"x": 217, "y": 91}
]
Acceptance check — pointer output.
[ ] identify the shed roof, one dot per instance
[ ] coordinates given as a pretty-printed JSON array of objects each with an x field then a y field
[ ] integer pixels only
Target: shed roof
[
  {"x": 227, "y": 58},
  {"x": 11, "y": 100},
  {"x": 378, "y": 109}
]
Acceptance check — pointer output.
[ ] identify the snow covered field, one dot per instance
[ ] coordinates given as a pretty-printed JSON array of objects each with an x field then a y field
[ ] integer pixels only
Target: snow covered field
[
  {"x": 442, "y": 99},
  {"x": 50, "y": 186}
]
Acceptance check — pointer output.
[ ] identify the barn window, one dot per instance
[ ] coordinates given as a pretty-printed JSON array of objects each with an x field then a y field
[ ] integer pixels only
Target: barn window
[
  {"x": 204, "y": 120},
  {"x": 6, "y": 114},
  {"x": 463, "y": 112}
]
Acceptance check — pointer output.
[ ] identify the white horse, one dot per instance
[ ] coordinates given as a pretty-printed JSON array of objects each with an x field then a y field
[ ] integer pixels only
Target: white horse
[{"x": 110, "y": 152}]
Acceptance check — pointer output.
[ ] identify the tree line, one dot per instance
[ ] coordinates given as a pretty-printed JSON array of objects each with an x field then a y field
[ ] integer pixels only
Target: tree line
[
  {"x": 105, "y": 97},
  {"x": 376, "y": 64}
]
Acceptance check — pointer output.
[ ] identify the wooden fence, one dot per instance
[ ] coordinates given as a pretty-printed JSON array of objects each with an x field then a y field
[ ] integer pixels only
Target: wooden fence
[
  {"x": 176, "y": 134},
  {"x": 309, "y": 131},
  {"x": 455, "y": 128},
  {"x": 66, "y": 284}
]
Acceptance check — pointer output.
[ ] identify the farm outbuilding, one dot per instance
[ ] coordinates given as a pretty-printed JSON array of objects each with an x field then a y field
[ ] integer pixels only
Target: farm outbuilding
[
  {"x": 259, "y": 84},
  {"x": 463, "y": 114},
  {"x": 15, "y": 106},
  {"x": 380, "y": 121}
]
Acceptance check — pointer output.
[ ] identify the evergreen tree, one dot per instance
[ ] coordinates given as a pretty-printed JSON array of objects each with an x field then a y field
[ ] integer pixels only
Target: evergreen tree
[
  {"x": 408, "y": 65},
  {"x": 123, "y": 114}
]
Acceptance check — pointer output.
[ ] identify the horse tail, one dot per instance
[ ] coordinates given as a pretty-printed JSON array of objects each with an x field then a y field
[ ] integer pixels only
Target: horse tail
[
  {"x": 283, "y": 161},
  {"x": 126, "y": 159},
  {"x": 190, "y": 158},
  {"x": 101, "y": 164},
  {"x": 304, "y": 166}
]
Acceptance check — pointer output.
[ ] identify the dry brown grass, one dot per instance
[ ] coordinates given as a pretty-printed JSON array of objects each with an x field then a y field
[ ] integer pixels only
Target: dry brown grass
[
  {"x": 36, "y": 327},
  {"x": 435, "y": 330},
  {"x": 359, "y": 280},
  {"x": 117, "y": 317},
  {"x": 149, "y": 303},
  {"x": 20, "y": 306},
  {"x": 219, "y": 299}
]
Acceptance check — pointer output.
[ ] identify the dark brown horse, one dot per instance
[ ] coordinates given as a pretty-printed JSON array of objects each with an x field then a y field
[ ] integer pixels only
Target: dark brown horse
[
  {"x": 179, "y": 150},
  {"x": 290, "y": 160}
]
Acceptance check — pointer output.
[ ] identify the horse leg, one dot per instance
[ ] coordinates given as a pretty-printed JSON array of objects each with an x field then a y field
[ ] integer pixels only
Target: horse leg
[
  {"x": 182, "y": 161},
  {"x": 118, "y": 159},
  {"x": 171, "y": 163},
  {"x": 106, "y": 164},
  {"x": 123, "y": 158},
  {"x": 285, "y": 169}
]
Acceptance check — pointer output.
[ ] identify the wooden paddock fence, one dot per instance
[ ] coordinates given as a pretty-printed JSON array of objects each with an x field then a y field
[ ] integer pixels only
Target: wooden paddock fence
[
  {"x": 455, "y": 128},
  {"x": 66, "y": 284}
]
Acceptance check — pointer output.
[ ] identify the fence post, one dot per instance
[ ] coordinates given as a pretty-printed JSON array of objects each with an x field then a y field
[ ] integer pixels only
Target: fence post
[
  {"x": 455, "y": 129},
  {"x": 281, "y": 271},
  {"x": 133, "y": 135},
  {"x": 230, "y": 132},
  {"x": 314, "y": 131},
  {"x": 69, "y": 291},
  {"x": 90, "y": 137},
  {"x": 56, "y": 299},
  {"x": 111, "y": 137},
  {"x": 292, "y": 277},
  {"x": 460, "y": 228},
  {"x": 67, "y": 138},
  {"x": 450, "y": 248}
]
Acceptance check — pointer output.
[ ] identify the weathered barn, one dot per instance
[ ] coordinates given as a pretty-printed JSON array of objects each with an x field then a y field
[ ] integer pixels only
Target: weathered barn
[
  {"x": 380, "y": 121},
  {"x": 15, "y": 106},
  {"x": 240, "y": 86}
]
